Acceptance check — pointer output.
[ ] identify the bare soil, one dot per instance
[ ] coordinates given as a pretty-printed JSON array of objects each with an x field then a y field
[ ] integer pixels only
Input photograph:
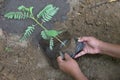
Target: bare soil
[{"x": 25, "y": 61}]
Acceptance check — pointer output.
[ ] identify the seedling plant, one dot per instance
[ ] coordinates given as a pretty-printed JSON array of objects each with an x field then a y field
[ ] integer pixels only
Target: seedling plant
[{"x": 43, "y": 16}]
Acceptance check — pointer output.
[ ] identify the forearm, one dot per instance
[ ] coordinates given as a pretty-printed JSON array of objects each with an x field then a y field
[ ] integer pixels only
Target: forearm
[
  {"x": 110, "y": 49},
  {"x": 79, "y": 76}
]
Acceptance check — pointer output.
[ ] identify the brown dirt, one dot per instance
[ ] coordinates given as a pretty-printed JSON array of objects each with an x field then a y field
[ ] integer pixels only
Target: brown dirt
[
  {"x": 102, "y": 22},
  {"x": 23, "y": 61}
]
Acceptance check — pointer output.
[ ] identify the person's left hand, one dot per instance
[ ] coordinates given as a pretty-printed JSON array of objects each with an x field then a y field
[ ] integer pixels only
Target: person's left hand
[{"x": 69, "y": 66}]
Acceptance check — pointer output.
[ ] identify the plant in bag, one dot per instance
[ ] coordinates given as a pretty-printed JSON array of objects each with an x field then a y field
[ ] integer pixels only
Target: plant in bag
[{"x": 44, "y": 16}]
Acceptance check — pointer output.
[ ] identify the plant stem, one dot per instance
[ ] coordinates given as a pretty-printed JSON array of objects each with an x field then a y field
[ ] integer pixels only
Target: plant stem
[
  {"x": 46, "y": 29},
  {"x": 60, "y": 40},
  {"x": 39, "y": 23}
]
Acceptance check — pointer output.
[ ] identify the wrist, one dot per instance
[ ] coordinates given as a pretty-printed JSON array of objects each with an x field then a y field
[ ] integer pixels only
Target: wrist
[
  {"x": 101, "y": 46},
  {"x": 77, "y": 75}
]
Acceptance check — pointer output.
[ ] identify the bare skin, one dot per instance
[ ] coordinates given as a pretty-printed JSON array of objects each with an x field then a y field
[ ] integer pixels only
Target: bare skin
[
  {"x": 92, "y": 46},
  {"x": 71, "y": 67},
  {"x": 95, "y": 46}
]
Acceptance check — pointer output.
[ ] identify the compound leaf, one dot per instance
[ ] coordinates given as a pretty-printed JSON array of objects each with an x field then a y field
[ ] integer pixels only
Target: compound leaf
[
  {"x": 23, "y": 14},
  {"x": 47, "y": 13},
  {"x": 48, "y": 34},
  {"x": 28, "y": 32}
]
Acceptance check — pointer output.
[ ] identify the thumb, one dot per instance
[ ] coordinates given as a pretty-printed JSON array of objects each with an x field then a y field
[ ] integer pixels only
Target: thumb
[
  {"x": 80, "y": 54},
  {"x": 82, "y": 39},
  {"x": 67, "y": 57},
  {"x": 59, "y": 59}
]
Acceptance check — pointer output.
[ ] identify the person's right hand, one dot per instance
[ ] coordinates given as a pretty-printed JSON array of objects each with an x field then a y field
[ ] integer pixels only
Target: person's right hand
[
  {"x": 71, "y": 67},
  {"x": 91, "y": 46}
]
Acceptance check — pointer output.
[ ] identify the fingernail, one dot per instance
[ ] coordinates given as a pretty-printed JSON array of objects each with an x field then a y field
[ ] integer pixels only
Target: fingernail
[{"x": 79, "y": 38}]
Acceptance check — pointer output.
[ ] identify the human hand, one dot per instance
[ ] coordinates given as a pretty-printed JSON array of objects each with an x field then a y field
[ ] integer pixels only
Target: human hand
[
  {"x": 91, "y": 46},
  {"x": 69, "y": 66}
]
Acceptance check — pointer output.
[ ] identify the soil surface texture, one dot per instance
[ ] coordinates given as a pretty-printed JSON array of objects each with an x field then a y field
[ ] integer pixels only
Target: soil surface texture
[{"x": 26, "y": 60}]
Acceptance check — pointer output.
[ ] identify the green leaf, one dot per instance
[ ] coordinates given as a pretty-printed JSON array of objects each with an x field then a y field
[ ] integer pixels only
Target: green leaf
[
  {"x": 51, "y": 44},
  {"x": 14, "y": 15},
  {"x": 26, "y": 11},
  {"x": 28, "y": 32},
  {"x": 23, "y": 8},
  {"x": 48, "y": 34},
  {"x": 47, "y": 13}
]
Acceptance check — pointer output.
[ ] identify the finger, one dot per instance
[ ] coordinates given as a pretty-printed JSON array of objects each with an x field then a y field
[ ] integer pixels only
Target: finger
[
  {"x": 67, "y": 57},
  {"x": 81, "y": 39},
  {"x": 59, "y": 59},
  {"x": 80, "y": 54}
]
